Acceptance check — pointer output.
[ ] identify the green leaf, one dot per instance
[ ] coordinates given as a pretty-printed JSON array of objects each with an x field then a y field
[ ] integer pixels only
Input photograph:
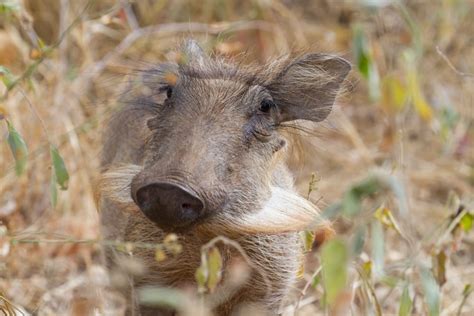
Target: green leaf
[
  {"x": 209, "y": 273},
  {"x": 406, "y": 303},
  {"x": 352, "y": 199},
  {"x": 394, "y": 93},
  {"x": 374, "y": 83},
  {"x": 165, "y": 297},
  {"x": 18, "y": 149},
  {"x": 215, "y": 269},
  {"x": 352, "y": 203},
  {"x": 385, "y": 216},
  {"x": 41, "y": 44},
  {"x": 366, "y": 270},
  {"x": 467, "y": 290},
  {"x": 390, "y": 281},
  {"x": 448, "y": 118},
  {"x": 398, "y": 190},
  {"x": 365, "y": 63},
  {"x": 431, "y": 291},
  {"x": 9, "y": 6},
  {"x": 439, "y": 267},
  {"x": 6, "y": 76},
  {"x": 465, "y": 295},
  {"x": 466, "y": 222},
  {"x": 332, "y": 210},
  {"x": 334, "y": 259},
  {"x": 378, "y": 245},
  {"x": 60, "y": 171},
  {"x": 201, "y": 274},
  {"x": 360, "y": 51},
  {"x": 419, "y": 102},
  {"x": 316, "y": 280},
  {"x": 307, "y": 237},
  {"x": 359, "y": 240}
]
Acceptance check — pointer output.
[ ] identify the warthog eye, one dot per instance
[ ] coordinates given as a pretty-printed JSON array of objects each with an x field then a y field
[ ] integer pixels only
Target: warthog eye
[
  {"x": 169, "y": 91},
  {"x": 266, "y": 105}
]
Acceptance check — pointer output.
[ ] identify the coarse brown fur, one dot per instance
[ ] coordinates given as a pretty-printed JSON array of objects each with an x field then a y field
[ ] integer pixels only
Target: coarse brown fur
[{"x": 209, "y": 135}]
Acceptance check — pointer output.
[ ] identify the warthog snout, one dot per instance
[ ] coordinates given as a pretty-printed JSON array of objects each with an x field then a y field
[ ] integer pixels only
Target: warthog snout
[{"x": 169, "y": 205}]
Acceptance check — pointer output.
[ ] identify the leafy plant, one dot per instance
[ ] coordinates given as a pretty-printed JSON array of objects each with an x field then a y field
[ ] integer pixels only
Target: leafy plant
[
  {"x": 18, "y": 148},
  {"x": 366, "y": 65}
]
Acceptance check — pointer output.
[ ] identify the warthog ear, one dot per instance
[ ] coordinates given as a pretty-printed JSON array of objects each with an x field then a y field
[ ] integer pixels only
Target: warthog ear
[
  {"x": 307, "y": 87},
  {"x": 193, "y": 52}
]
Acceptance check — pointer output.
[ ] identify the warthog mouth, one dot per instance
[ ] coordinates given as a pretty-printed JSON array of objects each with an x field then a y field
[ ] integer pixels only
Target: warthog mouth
[{"x": 284, "y": 212}]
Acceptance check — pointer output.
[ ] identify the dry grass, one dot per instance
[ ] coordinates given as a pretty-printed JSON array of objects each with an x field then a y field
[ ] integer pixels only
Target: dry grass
[{"x": 63, "y": 89}]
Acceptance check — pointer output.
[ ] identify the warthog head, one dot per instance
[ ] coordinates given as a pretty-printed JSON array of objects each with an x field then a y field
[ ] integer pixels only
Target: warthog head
[{"x": 213, "y": 151}]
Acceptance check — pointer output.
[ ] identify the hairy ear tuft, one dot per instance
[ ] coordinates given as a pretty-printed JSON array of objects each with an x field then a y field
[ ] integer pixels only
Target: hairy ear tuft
[{"x": 307, "y": 87}]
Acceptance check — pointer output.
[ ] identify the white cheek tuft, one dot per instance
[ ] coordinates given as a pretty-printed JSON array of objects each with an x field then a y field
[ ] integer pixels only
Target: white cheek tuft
[
  {"x": 114, "y": 184},
  {"x": 284, "y": 212}
]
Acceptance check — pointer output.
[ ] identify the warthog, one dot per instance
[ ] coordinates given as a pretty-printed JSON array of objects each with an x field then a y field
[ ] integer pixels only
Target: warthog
[{"x": 200, "y": 152}]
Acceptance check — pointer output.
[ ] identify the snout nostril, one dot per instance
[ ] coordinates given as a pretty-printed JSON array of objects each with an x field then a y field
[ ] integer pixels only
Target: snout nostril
[
  {"x": 145, "y": 197},
  {"x": 169, "y": 205}
]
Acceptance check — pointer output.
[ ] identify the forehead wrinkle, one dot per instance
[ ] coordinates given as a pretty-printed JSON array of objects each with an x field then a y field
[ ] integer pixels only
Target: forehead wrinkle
[
  {"x": 220, "y": 88},
  {"x": 219, "y": 69}
]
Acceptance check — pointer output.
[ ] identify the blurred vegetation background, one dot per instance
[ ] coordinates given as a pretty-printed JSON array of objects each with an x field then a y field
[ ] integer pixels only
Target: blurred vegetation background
[{"x": 393, "y": 166}]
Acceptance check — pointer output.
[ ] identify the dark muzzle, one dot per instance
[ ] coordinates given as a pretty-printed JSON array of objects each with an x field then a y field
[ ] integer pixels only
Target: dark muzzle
[{"x": 169, "y": 205}]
